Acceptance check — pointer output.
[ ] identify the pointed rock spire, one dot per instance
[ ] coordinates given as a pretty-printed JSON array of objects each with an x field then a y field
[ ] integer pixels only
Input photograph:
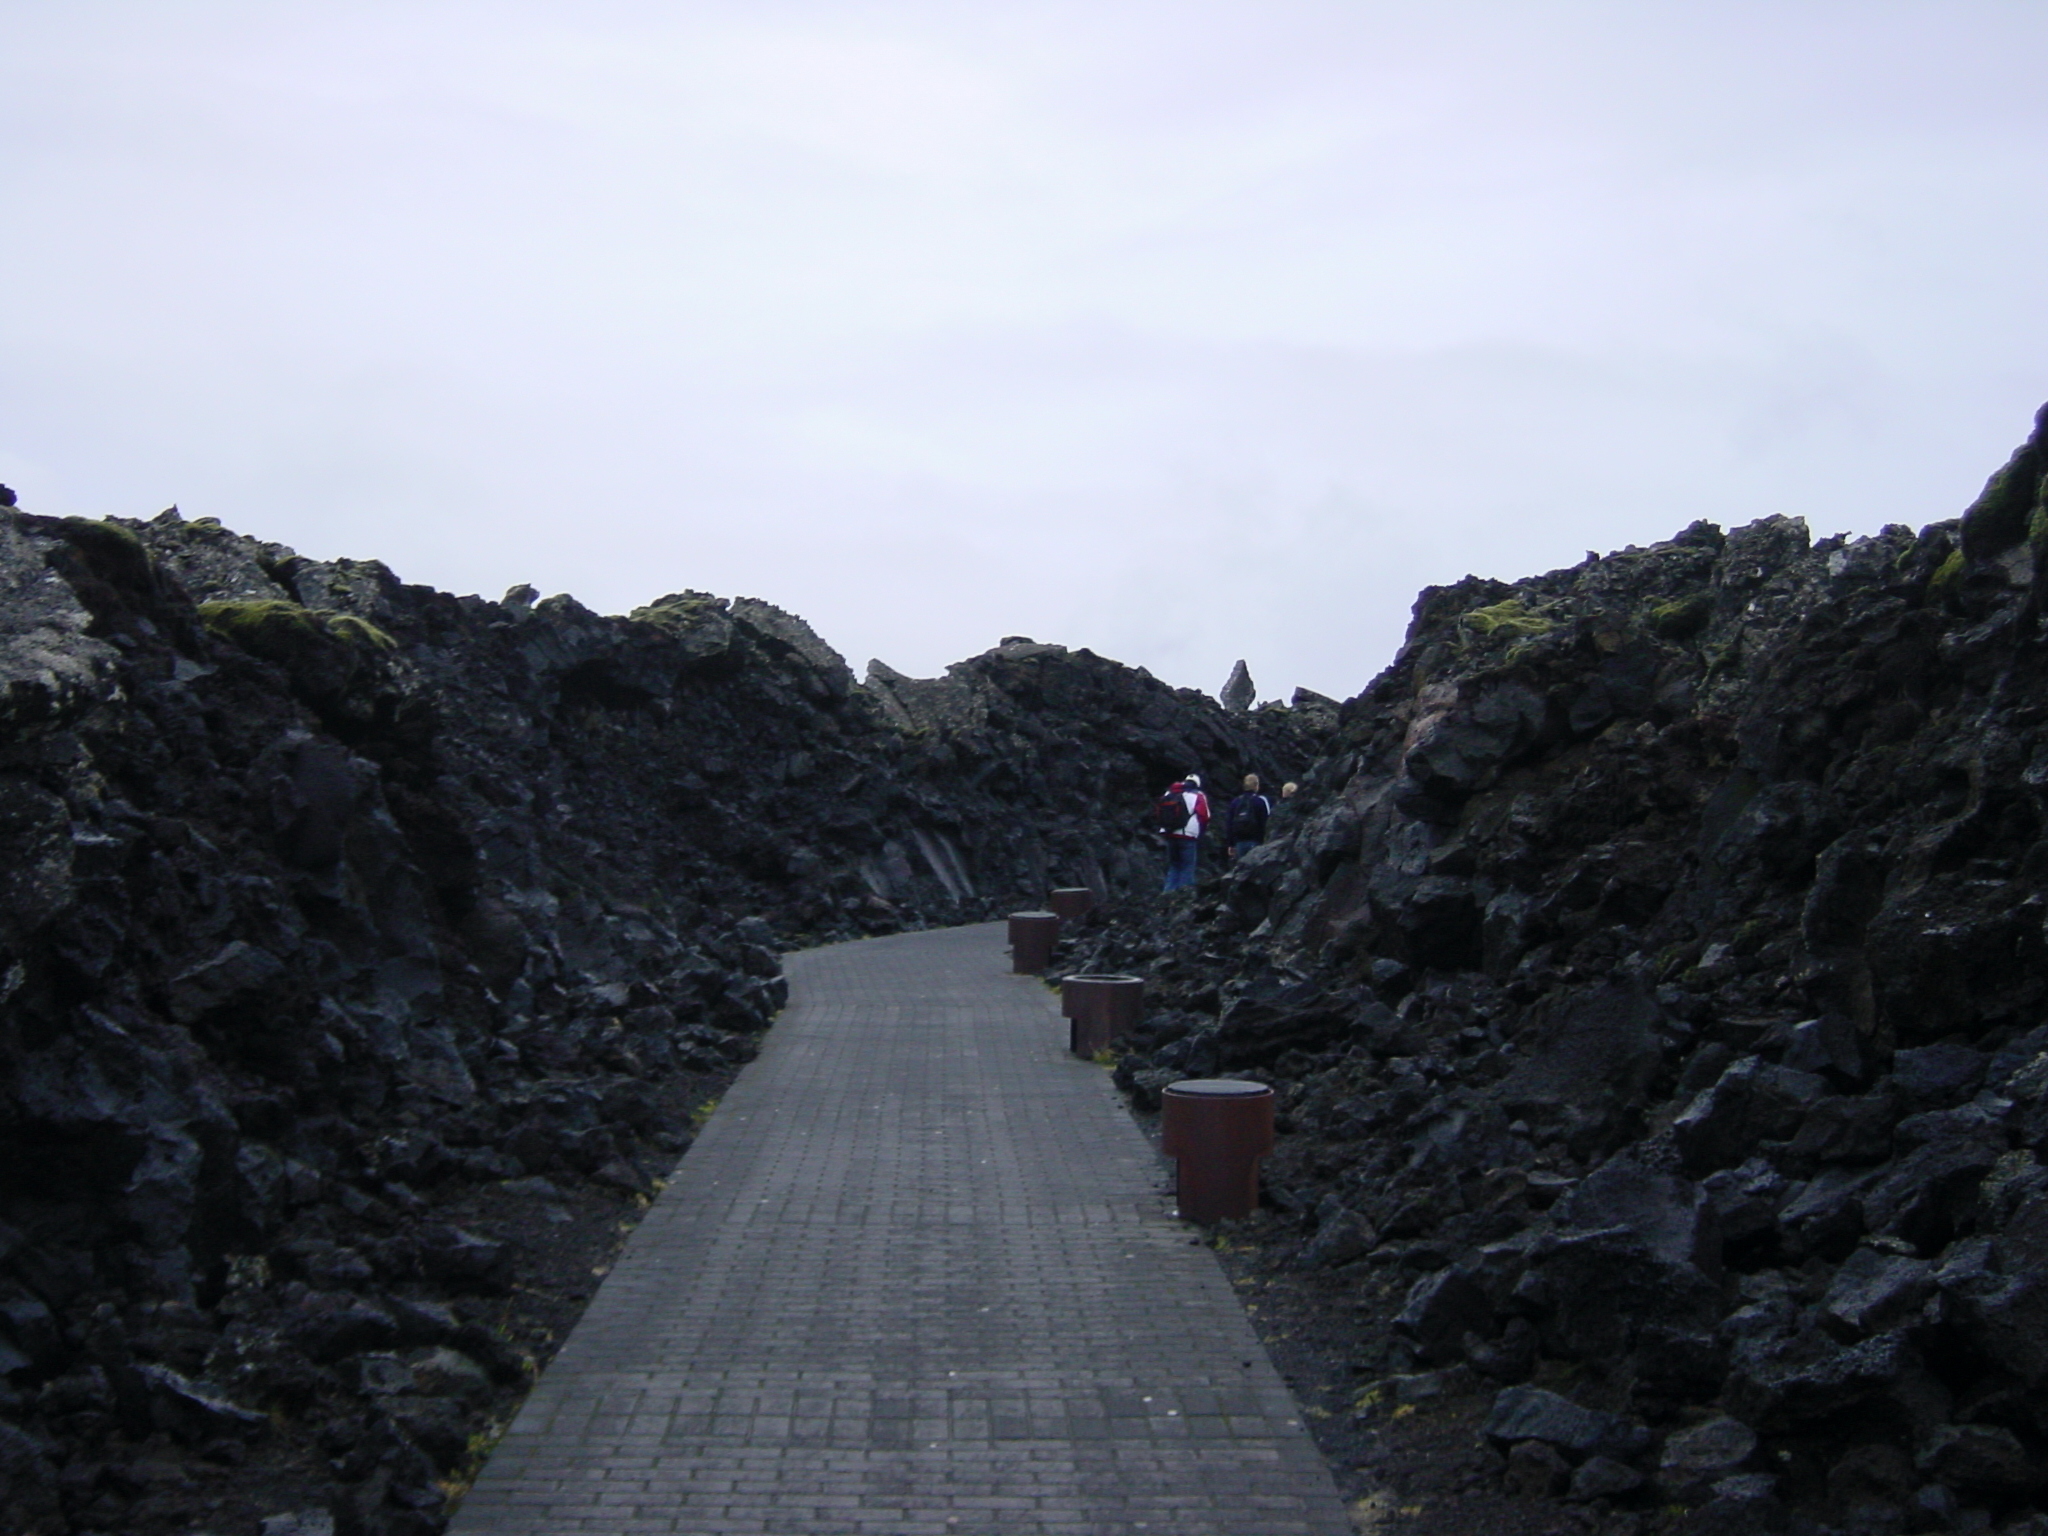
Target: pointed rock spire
[{"x": 1239, "y": 694}]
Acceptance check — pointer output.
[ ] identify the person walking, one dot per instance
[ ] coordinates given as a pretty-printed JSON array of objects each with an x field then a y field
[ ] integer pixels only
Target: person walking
[
  {"x": 1182, "y": 814},
  {"x": 1245, "y": 821},
  {"x": 1287, "y": 809}
]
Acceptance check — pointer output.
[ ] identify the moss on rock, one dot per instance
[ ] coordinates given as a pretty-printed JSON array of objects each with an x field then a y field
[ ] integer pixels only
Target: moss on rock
[
  {"x": 328, "y": 657},
  {"x": 360, "y": 632},
  {"x": 104, "y": 533},
  {"x": 270, "y": 628},
  {"x": 282, "y": 631},
  {"x": 681, "y": 610},
  {"x": 1511, "y": 617},
  {"x": 1682, "y": 617}
]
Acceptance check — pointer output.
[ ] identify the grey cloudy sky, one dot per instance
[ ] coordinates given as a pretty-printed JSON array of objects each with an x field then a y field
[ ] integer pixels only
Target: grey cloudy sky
[{"x": 1185, "y": 331}]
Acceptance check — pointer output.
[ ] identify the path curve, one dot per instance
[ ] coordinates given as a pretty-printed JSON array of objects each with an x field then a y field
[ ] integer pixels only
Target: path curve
[{"x": 918, "y": 1277}]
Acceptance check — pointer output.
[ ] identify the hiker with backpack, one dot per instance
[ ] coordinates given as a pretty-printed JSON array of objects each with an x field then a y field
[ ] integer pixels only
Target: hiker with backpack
[
  {"x": 1181, "y": 814},
  {"x": 1245, "y": 821}
]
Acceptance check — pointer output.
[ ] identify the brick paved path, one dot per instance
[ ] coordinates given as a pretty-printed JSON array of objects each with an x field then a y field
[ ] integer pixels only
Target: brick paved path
[{"x": 917, "y": 1276}]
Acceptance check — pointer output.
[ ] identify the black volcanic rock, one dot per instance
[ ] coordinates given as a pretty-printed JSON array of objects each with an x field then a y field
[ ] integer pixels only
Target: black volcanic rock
[
  {"x": 1650, "y": 970},
  {"x": 334, "y": 910},
  {"x": 1664, "y": 941},
  {"x": 1239, "y": 691},
  {"x": 1533, "y": 1413}
]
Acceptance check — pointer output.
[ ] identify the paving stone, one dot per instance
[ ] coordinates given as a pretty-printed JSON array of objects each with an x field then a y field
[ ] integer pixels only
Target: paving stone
[{"x": 919, "y": 1273}]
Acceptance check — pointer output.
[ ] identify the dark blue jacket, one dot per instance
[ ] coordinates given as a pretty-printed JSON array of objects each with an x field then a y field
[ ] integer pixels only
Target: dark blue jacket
[{"x": 1248, "y": 814}]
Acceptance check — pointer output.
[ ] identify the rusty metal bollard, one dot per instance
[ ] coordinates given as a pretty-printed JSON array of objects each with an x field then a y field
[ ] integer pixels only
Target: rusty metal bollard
[
  {"x": 1217, "y": 1128},
  {"x": 1100, "y": 1008},
  {"x": 1071, "y": 901},
  {"x": 1032, "y": 936}
]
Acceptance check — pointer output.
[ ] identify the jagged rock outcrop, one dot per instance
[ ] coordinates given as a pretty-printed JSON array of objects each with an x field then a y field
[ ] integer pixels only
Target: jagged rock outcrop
[
  {"x": 1651, "y": 969},
  {"x": 1655, "y": 971},
  {"x": 361, "y": 946},
  {"x": 1239, "y": 691}
]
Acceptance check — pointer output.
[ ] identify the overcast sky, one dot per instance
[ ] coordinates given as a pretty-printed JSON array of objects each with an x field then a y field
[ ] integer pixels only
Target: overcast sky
[{"x": 1185, "y": 331}]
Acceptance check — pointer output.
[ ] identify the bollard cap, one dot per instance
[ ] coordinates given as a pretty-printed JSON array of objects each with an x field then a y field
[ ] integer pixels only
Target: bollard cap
[
  {"x": 1106, "y": 980},
  {"x": 1217, "y": 1088},
  {"x": 1052, "y": 915}
]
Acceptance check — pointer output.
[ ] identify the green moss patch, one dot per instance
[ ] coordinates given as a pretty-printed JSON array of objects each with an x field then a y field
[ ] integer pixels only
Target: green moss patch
[
  {"x": 1507, "y": 618},
  {"x": 2037, "y": 520},
  {"x": 682, "y": 611},
  {"x": 286, "y": 632},
  {"x": 360, "y": 632},
  {"x": 104, "y": 533},
  {"x": 1682, "y": 617}
]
